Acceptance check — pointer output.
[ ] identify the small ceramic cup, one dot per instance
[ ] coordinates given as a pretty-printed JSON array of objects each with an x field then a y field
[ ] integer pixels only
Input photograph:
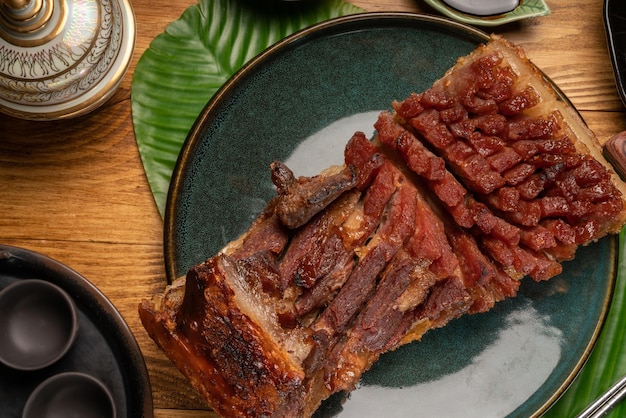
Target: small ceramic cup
[
  {"x": 38, "y": 324},
  {"x": 70, "y": 394}
]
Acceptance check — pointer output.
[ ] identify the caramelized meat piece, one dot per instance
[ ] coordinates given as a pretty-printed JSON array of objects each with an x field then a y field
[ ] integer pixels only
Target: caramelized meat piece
[
  {"x": 302, "y": 198},
  {"x": 466, "y": 188}
]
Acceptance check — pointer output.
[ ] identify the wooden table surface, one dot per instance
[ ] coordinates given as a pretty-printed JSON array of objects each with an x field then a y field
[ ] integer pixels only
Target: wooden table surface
[{"x": 75, "y": 190}]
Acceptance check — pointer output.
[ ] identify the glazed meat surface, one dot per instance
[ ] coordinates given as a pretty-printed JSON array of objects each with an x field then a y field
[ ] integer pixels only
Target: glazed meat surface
[{"x": 466, "y": 188}]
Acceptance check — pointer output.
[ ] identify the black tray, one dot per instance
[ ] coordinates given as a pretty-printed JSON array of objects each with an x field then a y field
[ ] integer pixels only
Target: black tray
[{"x": 105, "y": 347}]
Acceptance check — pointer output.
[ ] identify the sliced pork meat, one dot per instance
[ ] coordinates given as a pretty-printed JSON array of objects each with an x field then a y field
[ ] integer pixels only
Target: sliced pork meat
[{"x": 465, "y": 189}]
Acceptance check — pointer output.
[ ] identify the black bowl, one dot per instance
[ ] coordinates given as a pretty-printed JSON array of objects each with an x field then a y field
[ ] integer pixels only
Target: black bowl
[
  {"x": 70, "y": 394},
  {"x": 38, "y": 324}
]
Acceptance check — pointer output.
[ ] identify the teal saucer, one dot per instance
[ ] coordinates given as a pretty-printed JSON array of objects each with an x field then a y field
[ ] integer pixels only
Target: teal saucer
[{"x": 527, "y": 9}]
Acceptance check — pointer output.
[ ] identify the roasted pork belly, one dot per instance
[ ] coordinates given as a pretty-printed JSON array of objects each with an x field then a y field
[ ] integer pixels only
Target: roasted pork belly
[{"x": 466, "y": 188}]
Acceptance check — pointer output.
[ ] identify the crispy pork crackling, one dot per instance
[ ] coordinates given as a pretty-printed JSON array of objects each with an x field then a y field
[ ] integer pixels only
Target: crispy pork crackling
[{"x": 466, "y": 188}]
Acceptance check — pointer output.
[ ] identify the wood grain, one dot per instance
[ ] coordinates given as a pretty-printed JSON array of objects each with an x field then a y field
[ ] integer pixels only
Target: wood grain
[{"x": 76, "y": 191}]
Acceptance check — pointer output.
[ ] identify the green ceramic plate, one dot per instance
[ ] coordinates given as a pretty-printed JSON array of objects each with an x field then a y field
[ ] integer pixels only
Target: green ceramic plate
[
  {"x": 527, "y": 9},
  {"x": 299, "y": 102}
]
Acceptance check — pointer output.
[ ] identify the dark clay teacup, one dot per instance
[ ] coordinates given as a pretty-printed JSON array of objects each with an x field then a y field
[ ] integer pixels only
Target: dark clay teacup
[{"x": 38, "y": 324}]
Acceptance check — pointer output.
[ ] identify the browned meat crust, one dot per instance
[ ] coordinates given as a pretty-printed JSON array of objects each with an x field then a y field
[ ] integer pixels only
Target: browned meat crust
[{"x": 481, "y": 180}]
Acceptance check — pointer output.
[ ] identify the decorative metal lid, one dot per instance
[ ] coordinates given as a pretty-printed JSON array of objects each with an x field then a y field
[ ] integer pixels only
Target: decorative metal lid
[{"x": 62, "y": 58}]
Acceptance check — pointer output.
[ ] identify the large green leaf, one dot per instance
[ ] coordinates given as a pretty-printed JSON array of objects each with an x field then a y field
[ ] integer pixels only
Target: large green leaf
[
  {"x": 184, "y": 66},
  {"x": 607, "y": 363}
]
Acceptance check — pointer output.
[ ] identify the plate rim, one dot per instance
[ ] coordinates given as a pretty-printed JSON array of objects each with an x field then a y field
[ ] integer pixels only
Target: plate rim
[
  {"x": 77, "y": 285},
  {"x": 614, "y": 247},
  {"x": 194, "y": 139}
]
